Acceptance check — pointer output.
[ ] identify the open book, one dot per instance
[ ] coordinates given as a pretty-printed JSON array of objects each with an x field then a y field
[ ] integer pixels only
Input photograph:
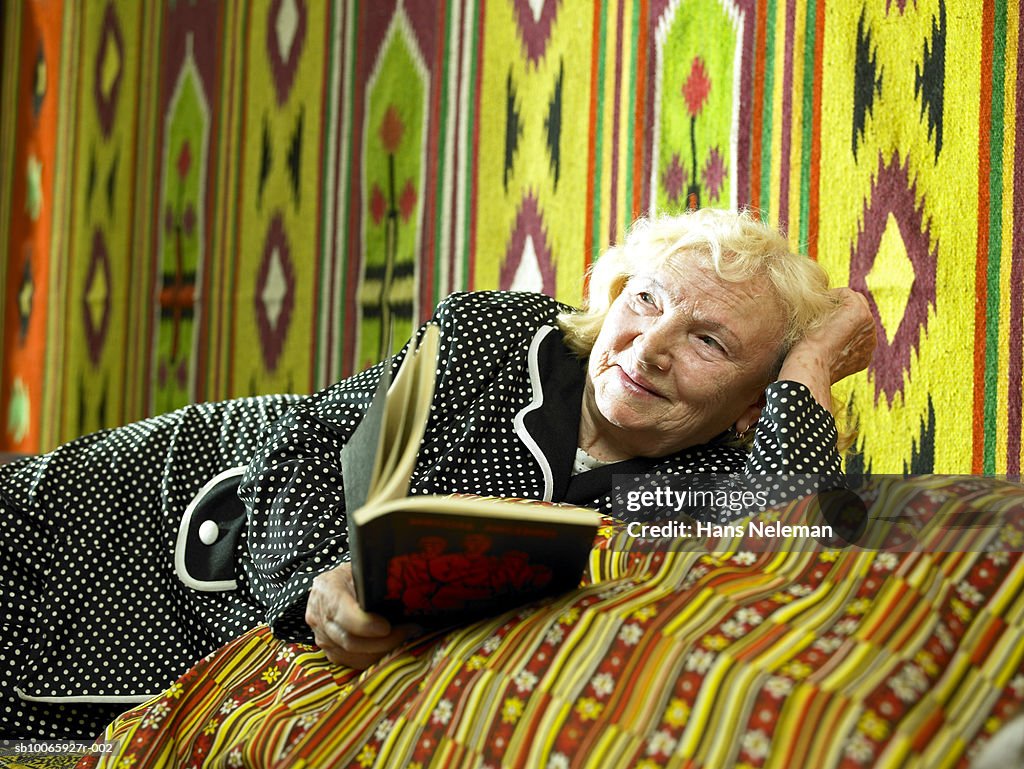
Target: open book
[{"x": 442, "y": 559}]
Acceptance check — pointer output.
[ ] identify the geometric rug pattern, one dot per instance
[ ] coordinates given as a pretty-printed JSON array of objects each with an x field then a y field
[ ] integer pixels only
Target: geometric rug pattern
[{"x": 201, "y": 200}]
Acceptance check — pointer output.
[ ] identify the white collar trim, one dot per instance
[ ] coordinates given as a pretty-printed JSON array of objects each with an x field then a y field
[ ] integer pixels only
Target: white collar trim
[{"x": 534, "y": 404}]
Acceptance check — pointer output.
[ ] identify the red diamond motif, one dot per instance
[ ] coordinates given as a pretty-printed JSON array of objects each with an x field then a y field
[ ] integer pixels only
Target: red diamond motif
[
  {"x": 895, "y": 194},
  {"x": 109, "y": 68},
  {"x": 535, "y": 18},
  {"x": 286, "y": 37},
  {"x": 96, "y": 299},
  {"x": 275, "y": 292},
  {"x": 528, "y": 262}
]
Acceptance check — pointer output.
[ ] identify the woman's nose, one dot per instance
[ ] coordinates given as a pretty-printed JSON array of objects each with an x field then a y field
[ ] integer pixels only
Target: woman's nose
[{"x": 653, "y": 348}]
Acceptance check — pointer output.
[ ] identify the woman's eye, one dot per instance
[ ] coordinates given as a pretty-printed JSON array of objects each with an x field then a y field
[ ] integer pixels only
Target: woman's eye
[
  {"x": 644, "y": 301},
  {"x": 710, "y": 341}
]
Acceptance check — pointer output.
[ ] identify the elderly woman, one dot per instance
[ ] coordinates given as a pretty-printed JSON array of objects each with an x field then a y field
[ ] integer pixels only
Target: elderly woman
[{"x": 699, "y": 330}]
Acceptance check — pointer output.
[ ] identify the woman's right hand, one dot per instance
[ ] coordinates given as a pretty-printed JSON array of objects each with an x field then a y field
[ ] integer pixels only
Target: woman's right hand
[{"x": 347, "y": 634}]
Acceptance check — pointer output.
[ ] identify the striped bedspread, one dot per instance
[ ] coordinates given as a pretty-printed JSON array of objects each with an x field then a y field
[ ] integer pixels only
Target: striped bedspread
[{"x": 721, "y": 656}]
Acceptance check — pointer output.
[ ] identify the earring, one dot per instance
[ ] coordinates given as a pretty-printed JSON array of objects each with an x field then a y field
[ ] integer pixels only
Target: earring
[{"x": 741, "y": 435}]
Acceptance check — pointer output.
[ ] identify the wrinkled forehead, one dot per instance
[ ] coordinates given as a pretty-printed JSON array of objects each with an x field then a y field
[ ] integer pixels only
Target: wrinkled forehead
[
  {"x": 748, "y": 305},
  {"x": 693, "y": 283},
  {"x": 698, "y": 266}
]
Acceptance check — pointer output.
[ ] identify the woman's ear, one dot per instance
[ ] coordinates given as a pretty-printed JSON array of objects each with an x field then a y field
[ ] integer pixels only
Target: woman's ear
[{"x": 750, "y": 415}]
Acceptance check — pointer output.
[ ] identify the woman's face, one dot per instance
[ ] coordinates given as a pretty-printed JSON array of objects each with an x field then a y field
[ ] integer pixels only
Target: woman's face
[{"x": 681, "y": 356}]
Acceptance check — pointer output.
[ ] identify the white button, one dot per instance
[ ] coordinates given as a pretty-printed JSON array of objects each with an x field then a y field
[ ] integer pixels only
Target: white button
[{"x": 208, "y": 532}]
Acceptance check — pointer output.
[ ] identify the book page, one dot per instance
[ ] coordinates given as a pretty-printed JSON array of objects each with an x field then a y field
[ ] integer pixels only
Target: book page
[
  {"x": 496, "y": 508},
  {"x": 415, "y": 412},
  {"x": 372, "y": 451}
]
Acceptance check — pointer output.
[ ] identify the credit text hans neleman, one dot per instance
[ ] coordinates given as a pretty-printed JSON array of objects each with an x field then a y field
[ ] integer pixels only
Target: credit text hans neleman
[{"x": 702, "y": 529}]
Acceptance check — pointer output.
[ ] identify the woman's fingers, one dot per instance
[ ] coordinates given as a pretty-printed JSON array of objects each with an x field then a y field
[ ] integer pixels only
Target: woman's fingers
[
  {"x": 363, "y": 644},
  {"x": 360, "y": 653},
  {"x": 343, "y": 607},
  {"x": 844, "y": 344},
  {"x": 339, "y": 655},
  {"x": 853, "y": 329},
  {"x": 347, "y": 634}
]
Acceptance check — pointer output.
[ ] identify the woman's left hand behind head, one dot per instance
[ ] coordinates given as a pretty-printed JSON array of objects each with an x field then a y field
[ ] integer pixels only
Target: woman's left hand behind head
[
  {"x": 847, "y": 340},
  {"x": 841, "y": 346}
]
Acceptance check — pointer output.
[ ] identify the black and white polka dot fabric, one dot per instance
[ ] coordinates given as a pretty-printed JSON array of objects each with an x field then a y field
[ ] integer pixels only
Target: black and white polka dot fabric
[
  {"x": 504, "y": 421},
  {"x": 93, "y": 615}
]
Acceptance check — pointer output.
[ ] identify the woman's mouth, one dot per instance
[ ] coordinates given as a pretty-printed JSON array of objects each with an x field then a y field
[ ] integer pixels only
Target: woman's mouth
[{"x": 637, "y": 383}]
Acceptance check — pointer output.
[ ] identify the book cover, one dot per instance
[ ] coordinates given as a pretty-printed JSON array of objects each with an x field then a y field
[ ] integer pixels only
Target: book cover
[{"x": 443, "y": 559}]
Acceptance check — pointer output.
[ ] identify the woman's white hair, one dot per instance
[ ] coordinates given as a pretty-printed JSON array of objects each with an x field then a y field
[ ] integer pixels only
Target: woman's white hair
[{"x": 736, "y": 244}]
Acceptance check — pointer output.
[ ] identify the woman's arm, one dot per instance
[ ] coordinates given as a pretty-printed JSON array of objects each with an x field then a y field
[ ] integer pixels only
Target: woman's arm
[
  {"x": 796, "y": 432},
  {"x": 295, "y": 500}
]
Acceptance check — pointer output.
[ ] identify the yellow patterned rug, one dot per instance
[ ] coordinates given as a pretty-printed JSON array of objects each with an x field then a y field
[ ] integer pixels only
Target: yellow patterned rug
[{"x": 217, "y": 199}]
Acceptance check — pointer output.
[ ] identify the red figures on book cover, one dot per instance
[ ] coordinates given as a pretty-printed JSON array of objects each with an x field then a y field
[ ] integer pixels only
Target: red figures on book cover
[{"x": 434, "y": 579}]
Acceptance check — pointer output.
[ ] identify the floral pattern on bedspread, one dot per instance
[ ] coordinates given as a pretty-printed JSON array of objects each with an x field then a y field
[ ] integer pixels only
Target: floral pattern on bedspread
[{"x": 813, "y": 658}]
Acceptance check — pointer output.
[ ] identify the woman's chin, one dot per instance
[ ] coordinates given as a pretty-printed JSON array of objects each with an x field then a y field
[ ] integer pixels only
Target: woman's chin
[{"x": 638, "y": 428}]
